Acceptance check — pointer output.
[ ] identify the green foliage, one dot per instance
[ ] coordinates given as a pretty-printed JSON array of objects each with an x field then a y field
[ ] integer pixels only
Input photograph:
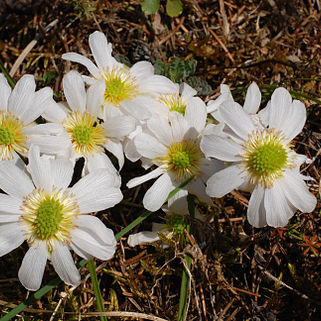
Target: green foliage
[
  {"x": 122, "y": 59},
  {"x": 173, "y": 7},
  {"x": 84, "y": 8},
  {"x": 47, "y": 77},
  {"x": 202, "y": 86},
  {"x": 176, "y": 70}
]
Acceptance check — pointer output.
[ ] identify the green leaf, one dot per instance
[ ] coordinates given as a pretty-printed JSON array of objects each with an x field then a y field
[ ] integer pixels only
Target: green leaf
[
  {"x": 202, "y": 86},
  {"x": 150, "y": 6},
  {"x": 174, "y": 7}
]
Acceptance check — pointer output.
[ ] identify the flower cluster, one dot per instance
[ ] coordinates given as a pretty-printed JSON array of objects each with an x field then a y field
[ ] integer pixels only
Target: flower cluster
[{"x": 134, "y": 113}]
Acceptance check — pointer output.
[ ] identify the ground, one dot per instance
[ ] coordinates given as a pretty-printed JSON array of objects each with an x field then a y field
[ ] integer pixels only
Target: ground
[{"x": 238, "y": 272}]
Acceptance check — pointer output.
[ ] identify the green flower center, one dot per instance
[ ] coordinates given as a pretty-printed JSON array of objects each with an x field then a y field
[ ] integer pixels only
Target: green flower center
[
  {"x": 174, "y": 103},
  {"x": 49, "y": 216},
  {"x": 182, "y": 159},
  {"x": 177, "y": 223},
  {"x": 269, "y": 158},
  {"x": 119, "y": 86},
  {"x": 7, "y": 136},
  {"x": 82, "y": 134}
]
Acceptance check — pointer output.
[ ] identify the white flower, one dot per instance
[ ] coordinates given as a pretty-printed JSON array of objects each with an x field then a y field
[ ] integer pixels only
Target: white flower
[
  {"x": 262, "y": 159},
  {"x": 130, "y": 90},
  {"x": 88, "y": 135},
  {"x": 19, "y": 108},
  {"x": 41, "y": 209},
  {"x": 172, "y": 144}
]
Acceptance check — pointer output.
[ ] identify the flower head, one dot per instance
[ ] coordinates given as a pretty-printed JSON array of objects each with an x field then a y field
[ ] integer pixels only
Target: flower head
[
  {"x": 263, "y": 159},
  {"x": 41, "y": 209}
]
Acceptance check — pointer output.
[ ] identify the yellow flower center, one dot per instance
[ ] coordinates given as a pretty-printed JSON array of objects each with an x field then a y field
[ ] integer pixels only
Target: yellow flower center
[
  {"x": 120, "y": 85},
  {"x": 11, "y": 136},
  {"x": 174, "y": 102},
  {"x": 267, "y": 154},
  {"x": 86, "y": 135},
  {"x": 49, "y": 216},
  {"x": 183, "y": 159}
]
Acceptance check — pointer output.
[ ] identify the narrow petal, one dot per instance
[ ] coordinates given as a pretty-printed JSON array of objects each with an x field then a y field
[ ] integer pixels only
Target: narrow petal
[
  {"x": 5, "y": 91},
  {"x": 75, "y": 57},
  {"x": 158, "y": 192},
  {"x": 22, "y": 95},
  {"x": 252, "y": 99},
  {"x": 101, "y": 50},
  {"x": 64, "y": 265},
  {"x": 100, "y": 161},
  {"x": 149, "y": 147},
  {"x": 61, "y": 171},
  {"x": 33, "y": 266},
  {"x": 119, "y": 127},
  {"x": 142, "y": 237},
  {"x": 10, "y": 204},
  {"x": 178, "y": 202},
  {"x": 95, "y": 97},
  {"x": 116, "y": 148},
  {"x": 80, "y": 252},
  {"x": 294, "y": 122},
  {"x": 278, "y": 210},
  {"x": 281, "y": 103},
  {"x": 14, "y": 181},
  {"x": 11, "y": 236},
  {"x": 161, "y": 129},
  {"x": 142, "y": 69},
  {"x": 256, "y": 214},
  {"x": 225, "y": 181},
  {"x": 96, "y": 191},
  {"x": 88, "y": 240},
  {"x": 157, "y": 85},
  {"x": 142, "y": 179},
  {"x": 187, "y": 91},
  {"x": 179, "y": 126},
  {"x": 136, "y": 108},
  {"x": 74, "y": 90},
  {"x": 196, "y": 113},
  {"x": 297, "y": 193},
  {"x": 221, "y": 148},
  {"x": 54, "y": 112},
  {"x": 237, "y": 119},
  {"x": 54, "y": 145}
]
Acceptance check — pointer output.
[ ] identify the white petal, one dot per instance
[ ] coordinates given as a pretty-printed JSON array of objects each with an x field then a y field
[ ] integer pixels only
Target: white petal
[
  {"x": 33, "y": 266},
  {"x": 297, "y": 193},
  {"x": 11, "y": 236},
  {"x": 40, "y": 169},
  {"x": 278, "y": 210},
  {"x": 80, "y": 252},
  {"x": 116, "y": 148},
  {"x": 74, "y": 90},
  {"x": 252, "y": 99},
  {"x": 22, "y": 95},
  {"x": 61, "y": 171},
  {"x": 142, "y": 69},
  {"x": 281, "y": 103},
  {"x": 157, "y": 85},
  {"x": 295, "y": 120},
  {"x": 95, "y": 97},
  {"x": 88, "y": 240},
  {"x": 64, "y": 265},
  {"x": 149, "y": 147},
  {"x": 161, "y": 129},
  {"x": 10, "y": 204},
  {"x": 237, "y": 119},
  {"x": 44, "y": 129},
  {"x": 179, "y": 126},
  {"x": 142, "y": 179},
  {"x": 187, "y": 91},
  {"x": 101, "y": 50},
  {"x": 100, "y": 161},
  {"x": 96, "y": 191},
  {"x": 158, "y": 192},
  {"x": 14, "y": 181},
  {"x": 5, "y": 91},
  {"x": 220, "y": 147},
  {"x": 196, "y": 113},
  {"x": 54, "y": 112},
  {"x": 225, "y": 181},
  {"x": 136, "y": 108},
  {"x": 119, "y": 127},
  {"x": 72, "y": 56},
  {"x": 197, "y": 188},
  {"x": 256, "y": 214},
  {"x": 142, "y": 237}
]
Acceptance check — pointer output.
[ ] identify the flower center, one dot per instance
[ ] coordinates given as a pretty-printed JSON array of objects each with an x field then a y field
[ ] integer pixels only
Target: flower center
[
  {"x": 49, "y": 216},
  {"x": 267, "y": 154},
  {"x": 177, "y": 223},
  {"x": 174, "y": 102},
  {"x": 120, "y": 85},
  {"x": 86, "y": 135},
  {"x": 11, "y": 136},
  {"x": 183, "y": 159}
]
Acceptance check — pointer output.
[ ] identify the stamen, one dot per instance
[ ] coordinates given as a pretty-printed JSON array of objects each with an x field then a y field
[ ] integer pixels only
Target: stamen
[{"x": 174, "y": 102}]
